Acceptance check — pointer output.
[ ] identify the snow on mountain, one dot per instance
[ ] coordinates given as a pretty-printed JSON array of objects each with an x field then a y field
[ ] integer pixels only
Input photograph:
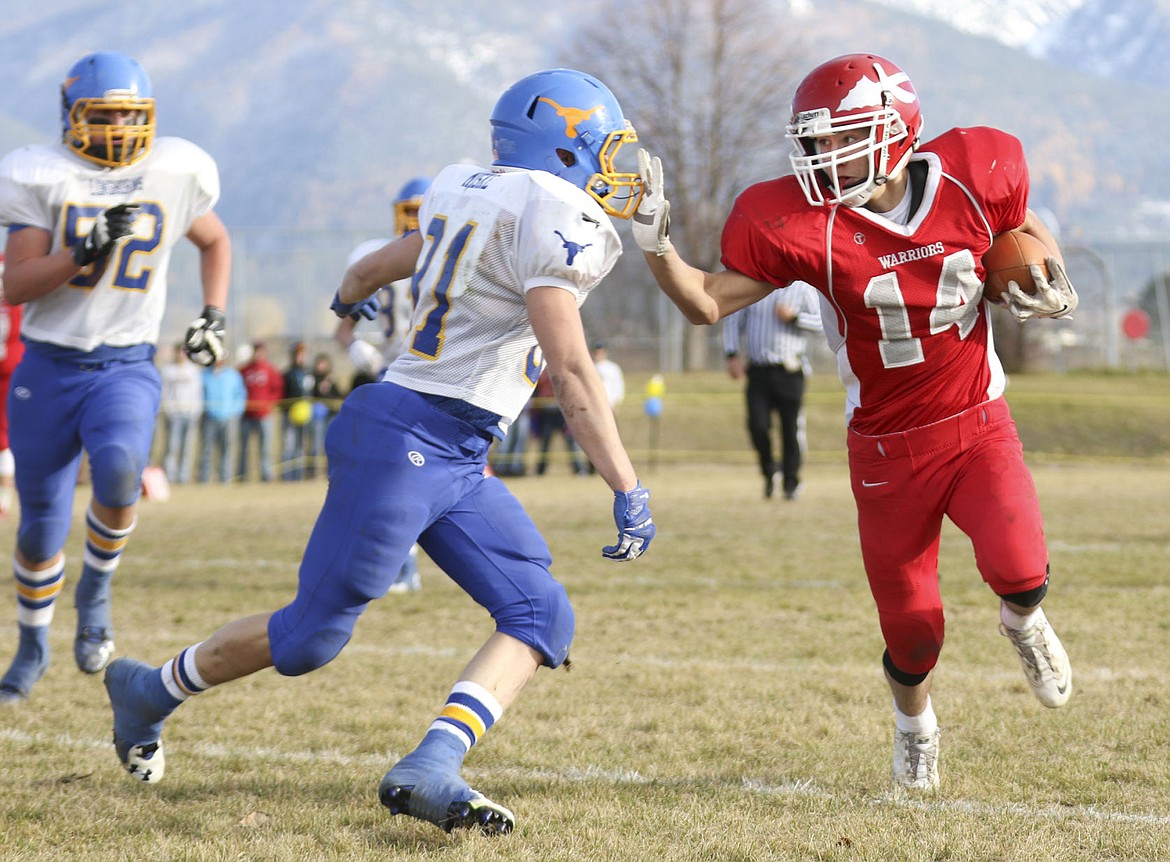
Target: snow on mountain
[{"x": 1011, "y": 22}]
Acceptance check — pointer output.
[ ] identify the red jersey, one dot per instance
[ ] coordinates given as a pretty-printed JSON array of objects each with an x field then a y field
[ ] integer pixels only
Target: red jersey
[
  {"x": 11, "y": 347},
  {"x": 901, "y": 304}
]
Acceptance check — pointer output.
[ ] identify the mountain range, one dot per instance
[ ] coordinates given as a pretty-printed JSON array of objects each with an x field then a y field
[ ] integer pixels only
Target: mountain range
[{"x": 318, "y": 110}]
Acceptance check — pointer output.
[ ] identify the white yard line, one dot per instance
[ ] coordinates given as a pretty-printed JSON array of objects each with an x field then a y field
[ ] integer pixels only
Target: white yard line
[{"x": 619, "y": 777}]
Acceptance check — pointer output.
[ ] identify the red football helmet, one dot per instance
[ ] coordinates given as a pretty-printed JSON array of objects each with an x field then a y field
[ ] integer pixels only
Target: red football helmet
[{"x": 861, "y": 93}]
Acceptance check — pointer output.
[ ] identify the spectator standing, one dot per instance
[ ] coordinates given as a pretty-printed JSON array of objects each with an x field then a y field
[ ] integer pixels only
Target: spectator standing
[
  {"x": 550, "y": 422},
  {"x": 770, "y": 338},
  {"x": 294, "y": 420},
  {"x": 224, "y": 397},
  {"x": 265, "y": 388},
  {"x": 327, "y": 398},
  {"x": 182, "y": 404}
]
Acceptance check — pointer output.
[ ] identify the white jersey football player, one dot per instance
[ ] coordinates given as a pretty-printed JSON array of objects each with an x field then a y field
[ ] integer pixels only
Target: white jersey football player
[
  {"x": 370, "y": 359},
  {"x": 503, "y": 258},
  {"x": 91, "y": 225}
]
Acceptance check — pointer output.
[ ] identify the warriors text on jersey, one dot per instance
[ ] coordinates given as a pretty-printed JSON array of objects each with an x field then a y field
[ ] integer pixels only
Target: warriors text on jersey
[
  {"x": 901, "y": 304},
  {"x": 489, "y": 237},
  {"x": 119, "y": 302}
]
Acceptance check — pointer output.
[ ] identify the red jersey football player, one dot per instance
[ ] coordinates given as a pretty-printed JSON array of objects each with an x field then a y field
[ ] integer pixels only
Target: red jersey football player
[
  {"x": 891, "y": 231},
  {"x": 11, "y": 350}
]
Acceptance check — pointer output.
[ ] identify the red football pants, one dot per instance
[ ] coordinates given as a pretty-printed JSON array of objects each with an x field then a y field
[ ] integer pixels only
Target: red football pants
[{"x": 969, "y": 468}]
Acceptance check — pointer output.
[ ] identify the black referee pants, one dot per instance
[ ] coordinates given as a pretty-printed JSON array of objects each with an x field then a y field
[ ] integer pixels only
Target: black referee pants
[{"x": 773, "y": 388}]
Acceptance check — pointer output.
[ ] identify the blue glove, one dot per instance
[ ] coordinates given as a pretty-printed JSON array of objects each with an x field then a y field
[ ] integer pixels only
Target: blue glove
[
  {"x": 631, "y": 513},
  {"x": 367, "y": 308}
]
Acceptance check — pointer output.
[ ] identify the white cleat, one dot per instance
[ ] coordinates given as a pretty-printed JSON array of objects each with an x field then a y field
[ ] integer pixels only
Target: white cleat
[
  {"x": 916, "y": 760},
  {"x": 1044, "y": 661}
]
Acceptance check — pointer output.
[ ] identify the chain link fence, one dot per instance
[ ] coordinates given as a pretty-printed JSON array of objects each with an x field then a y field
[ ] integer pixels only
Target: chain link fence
[{"x": 284, "y": 279}]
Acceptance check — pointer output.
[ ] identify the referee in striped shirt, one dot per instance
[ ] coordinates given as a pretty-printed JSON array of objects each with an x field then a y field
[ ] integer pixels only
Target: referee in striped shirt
[{"x": 770, "y": 337}]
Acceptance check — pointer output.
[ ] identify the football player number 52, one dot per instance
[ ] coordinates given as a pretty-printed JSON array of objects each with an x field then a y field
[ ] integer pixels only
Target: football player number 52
[{"x": 130, "y": 272}]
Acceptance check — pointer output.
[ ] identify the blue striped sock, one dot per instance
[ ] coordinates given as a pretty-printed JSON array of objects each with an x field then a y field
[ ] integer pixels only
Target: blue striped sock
[
  {"x": 180, "y": 677},
  {"x": 470, "y": 712}
]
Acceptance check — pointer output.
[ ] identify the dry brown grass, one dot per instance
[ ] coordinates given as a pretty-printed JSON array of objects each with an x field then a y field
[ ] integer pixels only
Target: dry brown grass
[{"x": 725, "y": 702}]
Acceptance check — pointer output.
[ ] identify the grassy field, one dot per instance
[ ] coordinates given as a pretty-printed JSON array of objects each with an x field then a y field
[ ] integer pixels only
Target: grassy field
[{"x": 726, "y": 700}]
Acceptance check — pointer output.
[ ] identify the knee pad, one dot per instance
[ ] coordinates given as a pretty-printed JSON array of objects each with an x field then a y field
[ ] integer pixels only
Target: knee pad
[
  {"x": 1029, "y": 598},
  {"x": 561, "y": 627},
  {"x": 900, "y": 676},
  {"x": 117, "y": 475},
  {"x": 40, "y": 538},
  {"x": 307, "y": 645},
  {"x": 546, "y": 623}
]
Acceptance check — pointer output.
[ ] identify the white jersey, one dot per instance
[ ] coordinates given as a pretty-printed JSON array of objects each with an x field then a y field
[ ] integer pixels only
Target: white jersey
[
  {"x": 393, "y": 318},
  {"x": 121, "y": 302},
  {"x": 489, "y": 237}
]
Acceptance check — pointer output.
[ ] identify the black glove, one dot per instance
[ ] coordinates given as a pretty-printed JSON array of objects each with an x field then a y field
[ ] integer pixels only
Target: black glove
[
  {"x": 204, "y": 342},
  {"x": 110, "y": 226}
]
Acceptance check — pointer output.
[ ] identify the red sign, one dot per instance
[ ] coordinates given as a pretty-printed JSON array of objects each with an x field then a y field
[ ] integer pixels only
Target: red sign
[{"x": 1135, "y": 324}]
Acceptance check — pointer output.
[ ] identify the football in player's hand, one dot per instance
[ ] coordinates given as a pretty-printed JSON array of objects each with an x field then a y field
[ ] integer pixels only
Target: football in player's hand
[{"x": 1008, "y": 259}]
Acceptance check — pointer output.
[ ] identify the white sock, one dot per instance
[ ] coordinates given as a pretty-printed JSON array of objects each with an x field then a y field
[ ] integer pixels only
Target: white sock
[
  {"x": 922, "y": 724},
  {"x": 1017, "y": 621}
]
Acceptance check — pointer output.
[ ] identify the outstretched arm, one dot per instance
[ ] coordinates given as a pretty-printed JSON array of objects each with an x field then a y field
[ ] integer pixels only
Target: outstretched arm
[{"x": 704, "y": 297}]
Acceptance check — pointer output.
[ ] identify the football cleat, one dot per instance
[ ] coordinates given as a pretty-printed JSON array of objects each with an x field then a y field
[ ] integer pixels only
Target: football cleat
[
  {"x": 144, "y": 762},
  {"x": 916, "y": 760},
  {"x": 426, "y": 785},
  {"x": 475, "y": 812},
  {"x": 1044, "y": 661},
  {"x": 93, "y": 648},
  {"x": 137, "y": 726},
  {"x": 28, "y": 666}
]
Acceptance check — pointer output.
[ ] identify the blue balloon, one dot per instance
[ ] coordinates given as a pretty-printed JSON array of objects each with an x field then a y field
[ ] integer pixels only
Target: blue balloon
[
  {"x": 653, "y": 406},
  {"x": 320, "y": 410}
]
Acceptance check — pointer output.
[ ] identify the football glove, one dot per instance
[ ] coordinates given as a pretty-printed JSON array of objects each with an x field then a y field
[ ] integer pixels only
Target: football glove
[
  {"x": 1054, "y": 297},
  {"x": 205, "y": 337},
  {"x": 651, "y": 222},
  {"x": 110, "y": 226},
  {"x": 367, "y": 308},
  {"x": 631, "y": 513}
]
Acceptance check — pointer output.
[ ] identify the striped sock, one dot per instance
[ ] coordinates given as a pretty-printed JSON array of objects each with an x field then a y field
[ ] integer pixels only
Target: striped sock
[
  {"x": 36, "y": 592},
  {"x": 179, "y": 676},
  {"x": 470, "y": 711},
  {"x": 103, "y": 551}
]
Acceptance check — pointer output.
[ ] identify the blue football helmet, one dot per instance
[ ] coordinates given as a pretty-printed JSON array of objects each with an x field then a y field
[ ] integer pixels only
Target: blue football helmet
[
  {"x": 407, "y": 202},
  {"x": 569, "y": 124},
  {"x": 98, "y": 87}
]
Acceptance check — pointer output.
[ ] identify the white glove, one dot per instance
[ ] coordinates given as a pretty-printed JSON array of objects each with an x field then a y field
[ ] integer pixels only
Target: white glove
[
  {"x": 651, "y": 222},
  {"x": 1054, "y": 297}
]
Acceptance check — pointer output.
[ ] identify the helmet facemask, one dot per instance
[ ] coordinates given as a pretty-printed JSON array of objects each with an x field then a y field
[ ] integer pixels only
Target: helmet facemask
[
  {"x": 100, "y": 140},
  {"x": 618, "y": 192},
  {"x": 819, "y": 172}
]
